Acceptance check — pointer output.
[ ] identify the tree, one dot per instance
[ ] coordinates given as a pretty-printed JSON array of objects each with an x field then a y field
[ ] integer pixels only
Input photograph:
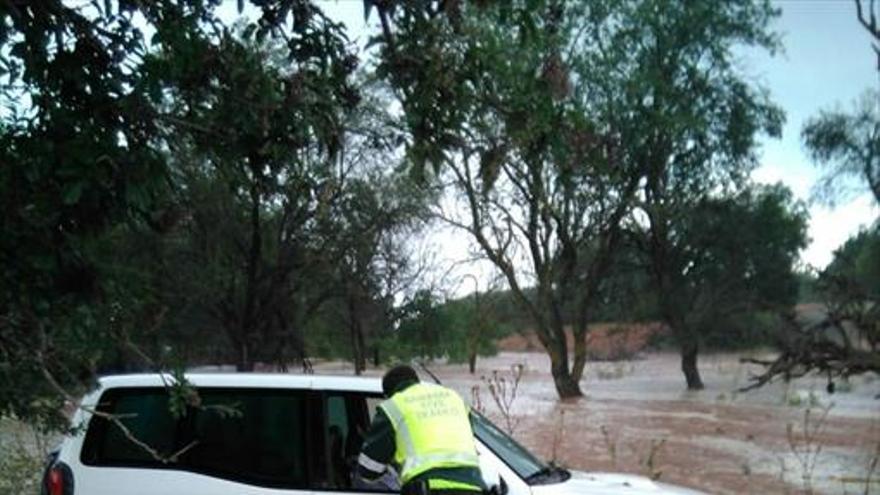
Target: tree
[
  {"x": 588, "y": 101},
  {"x": 78, "y": 160},
  {"x": 851, "y": 285},
  {"x": 480, "y": 321},
  {"x": 423, "y": 327},
  {"x": 90, "y": 105},
  {"x": 694, "y": 123},
  {"x": 262, "y": 140},
  {"x": 730, "y": 258},
  {"x": 374, "y": 219},
  {"x": 379, "y": 212},
  {"x": 868, "y": 19},
  {"x": 539, "y": 176},
  {"x": 848, "y": 145}
]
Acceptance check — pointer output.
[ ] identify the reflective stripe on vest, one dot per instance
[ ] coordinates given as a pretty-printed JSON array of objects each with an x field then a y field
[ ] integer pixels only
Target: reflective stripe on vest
[{"x": 432, "y": 430}]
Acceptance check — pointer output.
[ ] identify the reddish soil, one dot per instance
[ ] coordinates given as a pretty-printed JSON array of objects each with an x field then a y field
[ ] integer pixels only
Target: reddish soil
[{"x": 605, "y": 341}]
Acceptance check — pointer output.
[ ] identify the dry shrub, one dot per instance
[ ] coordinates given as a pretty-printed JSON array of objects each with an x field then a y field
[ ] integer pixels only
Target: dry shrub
[
  {"x": 23, "y": 450},
  {"x": 503, "y": 388}
]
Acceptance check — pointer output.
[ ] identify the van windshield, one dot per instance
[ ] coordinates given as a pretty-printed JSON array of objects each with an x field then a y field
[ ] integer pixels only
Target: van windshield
[{"x": 512, "y": 453}]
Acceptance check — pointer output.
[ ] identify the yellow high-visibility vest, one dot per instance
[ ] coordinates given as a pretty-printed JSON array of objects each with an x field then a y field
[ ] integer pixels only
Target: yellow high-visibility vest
[{"x": 432, "y": 430}]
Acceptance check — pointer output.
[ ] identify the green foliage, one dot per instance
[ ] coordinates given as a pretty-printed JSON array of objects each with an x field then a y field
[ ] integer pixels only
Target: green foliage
[
  {"x": 858, "y": 261},
  {"x": 850, "y": 285},
  {"x": 846, "y": 341},
  {"x": 738, "y": 255},
  {"x": 745, "y": 331},
  {"x": 691, "y": 119},
  {"x": 424, "y": 330},
  {"x": 848, "y": 146},
  {"x": 473, "y": 328},
  {"x": 627, "y": 292},
  {"x": 120, "y": 146},
  {"x": 77, "y": 160},
  {"x": 807, "y": 287},
  {"x": 430, "y": 329}
]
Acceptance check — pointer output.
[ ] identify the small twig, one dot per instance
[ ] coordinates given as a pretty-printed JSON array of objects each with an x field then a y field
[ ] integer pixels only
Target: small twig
[
  {"x": 557, "y": 438},
  {"x": 432, "y": 375},
  {"x": 650, "y": 460},
  {"x": 610, "y": 444},
  {"x": 872, "y": 466},
  {"x": 476, "y": 400}
]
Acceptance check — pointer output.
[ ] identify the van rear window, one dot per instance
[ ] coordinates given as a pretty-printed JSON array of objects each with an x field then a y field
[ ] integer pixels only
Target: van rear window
[{"x": 252, "y": 436}]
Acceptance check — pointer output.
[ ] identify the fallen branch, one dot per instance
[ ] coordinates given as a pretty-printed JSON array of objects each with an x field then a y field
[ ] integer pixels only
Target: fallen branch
[{"x": 811, "y": 349}]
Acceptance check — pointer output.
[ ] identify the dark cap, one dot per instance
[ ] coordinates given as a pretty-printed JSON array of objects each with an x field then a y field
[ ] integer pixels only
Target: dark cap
[{"x": 396, "y": 377}]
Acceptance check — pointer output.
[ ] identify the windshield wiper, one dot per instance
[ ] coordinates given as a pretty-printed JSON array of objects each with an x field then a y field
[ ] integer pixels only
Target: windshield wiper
[{"x": 547, "y": 474}]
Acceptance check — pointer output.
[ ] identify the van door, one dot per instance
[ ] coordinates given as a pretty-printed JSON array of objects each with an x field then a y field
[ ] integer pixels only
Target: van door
[{"x": 346, "y": 418}]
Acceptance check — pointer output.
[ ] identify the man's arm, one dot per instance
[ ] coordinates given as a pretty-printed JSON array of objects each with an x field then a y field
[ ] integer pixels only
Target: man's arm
[{"x": 378, "y": 449}]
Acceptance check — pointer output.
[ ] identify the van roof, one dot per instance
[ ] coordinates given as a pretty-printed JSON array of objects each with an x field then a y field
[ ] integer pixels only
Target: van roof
[{"x": 247, "y": 380}]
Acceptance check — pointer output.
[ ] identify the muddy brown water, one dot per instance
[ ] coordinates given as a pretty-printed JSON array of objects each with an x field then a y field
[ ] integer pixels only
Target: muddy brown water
[{"x": 637, "y": 417}]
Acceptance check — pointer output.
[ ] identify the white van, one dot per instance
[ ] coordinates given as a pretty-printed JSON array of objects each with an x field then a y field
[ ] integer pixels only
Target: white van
[{"x": 271, "y": 434}]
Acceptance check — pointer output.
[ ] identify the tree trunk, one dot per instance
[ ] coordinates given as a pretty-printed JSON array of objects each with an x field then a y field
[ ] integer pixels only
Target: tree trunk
[
  {"x": 357, "y": 351},
  {"x": 361, "y": 363},
  {"x": 580, "y": 350},
  {"x": 557, "y": 348},
  {"x": 245, "y": 363},
  {"x": 566, "y": 385},
  {"x": 357, "y": 340},
  {"x": 473, "y": 344},
  {"x": 247, "y": 322},
  {"x": 689, "y": 366}
]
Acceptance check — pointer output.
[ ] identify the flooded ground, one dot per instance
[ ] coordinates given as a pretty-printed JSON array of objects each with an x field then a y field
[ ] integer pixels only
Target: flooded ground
[{"x": 637, "y": 417}]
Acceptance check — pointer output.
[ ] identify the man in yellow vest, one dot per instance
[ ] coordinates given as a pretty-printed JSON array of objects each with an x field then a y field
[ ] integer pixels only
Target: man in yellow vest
[{"x": 424, "y": 432}]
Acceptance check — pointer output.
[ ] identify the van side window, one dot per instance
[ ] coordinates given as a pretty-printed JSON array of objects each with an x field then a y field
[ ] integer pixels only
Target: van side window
[
  {"x": 249, "y": 436},
  {"x": 256, "y": 437},
  {"x": 145, "y": 413}
]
